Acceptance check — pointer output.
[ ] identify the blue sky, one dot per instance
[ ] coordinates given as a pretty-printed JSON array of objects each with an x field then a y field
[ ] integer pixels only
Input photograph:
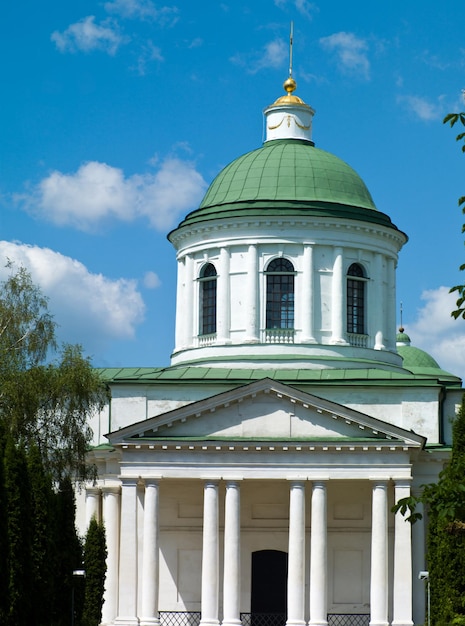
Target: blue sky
[{"x": 116, "y": 115}]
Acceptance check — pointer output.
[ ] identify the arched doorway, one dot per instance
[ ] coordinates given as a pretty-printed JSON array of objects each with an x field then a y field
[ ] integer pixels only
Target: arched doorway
[{"x": 269, "y": 588}]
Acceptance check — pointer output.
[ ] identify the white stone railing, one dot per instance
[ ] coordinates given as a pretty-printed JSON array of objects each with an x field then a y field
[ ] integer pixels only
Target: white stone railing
[
  {"x": 206, "y": 340},
  {"x": 359, "y": 341},
  {"x": 278, "y": 335}
]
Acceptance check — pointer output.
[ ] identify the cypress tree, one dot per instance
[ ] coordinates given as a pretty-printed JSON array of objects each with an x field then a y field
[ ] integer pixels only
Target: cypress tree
[
  {"x": 68, "y": 551},
  {"x": 95, "y": 554},
  {"x": 18, "y": 531},
  {"x": 42, "y": 587},
  {"x": 4, "y": 548}
]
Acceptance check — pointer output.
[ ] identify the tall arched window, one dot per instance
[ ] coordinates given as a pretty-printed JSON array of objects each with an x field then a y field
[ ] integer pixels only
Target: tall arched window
[
  {"x": 207, "y": 300},
  {"x": 356, "y": 281},
  {"x": 280, "y": 294}
]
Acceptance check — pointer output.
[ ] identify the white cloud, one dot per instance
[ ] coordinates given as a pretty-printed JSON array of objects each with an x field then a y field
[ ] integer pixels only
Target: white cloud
[
  {"x": 435, "y": 331},
  {"x": 98, "y": 191},
  {"x": 272, "y": 55},
  {"x": 303, "y": 7},
  {"x": 143, "y": 9},
  {"x": 88, "y": 308},
  {"x": 351, "y": 53},
  {"x": 87, "y": 36},
  {"x": 151, "y": 280},
  {"x": 422, "y": 108},
  {"x": 149, "y": 53}
]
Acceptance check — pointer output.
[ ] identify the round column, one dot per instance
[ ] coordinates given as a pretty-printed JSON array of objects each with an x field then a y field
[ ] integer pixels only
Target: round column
[
  {"x": 296, "y": 558},
  {"x": 402, "y": 593},
  {"x": 379, "y": 556},
  {"x": 232, "y": 555},
  {"x": 92, "y": 504},
  {"x": 210, "y": 555},
  {"x": 180, "y": 330},
  {"x": 111, "y": 504},
  {"x": 377, "y": 303},
  {"x": 150, "y": 564},
  {"x": 307, "y": 296},
  {"x": 251, "y": 297},
  {"x": 337, "y": 291},
  {"x": 318, "y": 557},
  {"x": 127, "y": 593},
  {"x": 391, "y": 304},
  {"x": 223, "y": 298},
  {"x": 188, "y": 303}
]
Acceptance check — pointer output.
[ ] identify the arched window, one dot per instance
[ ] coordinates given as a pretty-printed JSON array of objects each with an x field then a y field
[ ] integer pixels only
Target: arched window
[
  {"x": 207, "y": 300},
  {"x": 356, "y": 281},
  {"x": 280, "y": 294}
]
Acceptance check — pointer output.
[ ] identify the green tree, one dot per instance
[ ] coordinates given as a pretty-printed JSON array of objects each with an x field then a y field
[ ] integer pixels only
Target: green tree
[
  {"x": 68, "y": 555},
  {"x": 95, "y": 554},
  {"x": 452, "y": 119},
  {"x": 17, "y": 490},
  {"x": 42, "y": 540},
  {"x": 4, "y": 576},
  {"x": 445, "y": 503},
  {"x": 47, "y": 393}
]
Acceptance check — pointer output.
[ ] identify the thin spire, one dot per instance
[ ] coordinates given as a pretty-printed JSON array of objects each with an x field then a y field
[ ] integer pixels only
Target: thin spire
[
  {"x": 401, "y": 328},
  {"x": 291, "y": 41}
]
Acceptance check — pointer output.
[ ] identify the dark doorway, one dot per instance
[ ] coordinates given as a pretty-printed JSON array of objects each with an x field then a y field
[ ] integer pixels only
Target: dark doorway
[{"x": 269, "y": 584}]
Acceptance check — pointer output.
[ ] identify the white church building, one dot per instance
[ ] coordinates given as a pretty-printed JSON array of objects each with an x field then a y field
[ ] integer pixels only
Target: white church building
[{"x": 251, "y": 482}]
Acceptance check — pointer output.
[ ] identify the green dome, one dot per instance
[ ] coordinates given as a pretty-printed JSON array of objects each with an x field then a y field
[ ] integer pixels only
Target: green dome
[
  {"x": 415, "y": 357},
  {"x": 288, "y": 169},
  {"x": 288, "y": 177}
]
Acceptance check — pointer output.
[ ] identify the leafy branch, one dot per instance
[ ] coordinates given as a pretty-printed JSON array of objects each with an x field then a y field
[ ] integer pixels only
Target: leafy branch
[{"x": 452, "y": 119}]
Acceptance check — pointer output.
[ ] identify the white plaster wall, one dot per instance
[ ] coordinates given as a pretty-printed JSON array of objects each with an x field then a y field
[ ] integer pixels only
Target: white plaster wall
[
  {"x": 407, "y": 407},
  {"x": 273, "y": 238}
]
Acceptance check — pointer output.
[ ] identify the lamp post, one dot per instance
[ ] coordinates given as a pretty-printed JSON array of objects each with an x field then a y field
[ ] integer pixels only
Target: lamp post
[
  {"x": 423, "y": 575},
  {"x": 77, "y": 573}
]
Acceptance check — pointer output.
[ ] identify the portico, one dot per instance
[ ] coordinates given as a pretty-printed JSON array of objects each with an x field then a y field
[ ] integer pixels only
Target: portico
[{"x": 198, "y": 506}]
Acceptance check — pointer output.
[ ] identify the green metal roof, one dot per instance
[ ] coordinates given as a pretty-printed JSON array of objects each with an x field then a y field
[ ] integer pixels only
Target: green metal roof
[
  {"x": 288, "y": 169},
  {"x": 300, "y": 376},
  {"x": 288, "y": 177}
]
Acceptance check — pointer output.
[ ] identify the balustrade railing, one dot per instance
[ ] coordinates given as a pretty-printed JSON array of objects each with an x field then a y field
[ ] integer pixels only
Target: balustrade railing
[
  {"x": 279, "y": 335},
  {"x": 359, "y": 341},
  {"x": 192, "y": 618}
]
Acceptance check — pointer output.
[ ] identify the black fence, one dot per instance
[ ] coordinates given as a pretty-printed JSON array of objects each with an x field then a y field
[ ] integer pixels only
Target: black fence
[{"x": 192, "y": 618}]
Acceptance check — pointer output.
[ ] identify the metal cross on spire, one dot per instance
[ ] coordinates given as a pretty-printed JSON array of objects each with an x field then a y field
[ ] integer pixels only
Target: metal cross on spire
[{"x": 291, "y": 35}]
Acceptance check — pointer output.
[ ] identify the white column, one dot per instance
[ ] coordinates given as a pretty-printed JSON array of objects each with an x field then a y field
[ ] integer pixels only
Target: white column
[
  {"x": 337, "y": 300},
  {"x": 402, "y": 592},
  {"x": 232, "y": 556},
  {"x": 127, "y": 596},
  {"x": 391, "y": 313},
  {"x": 377, "y": 302},
  {"x": 188, "y": 303},
  {"x": 92, "y": 504},
  {"x": 307, "y": 296},
  {"x": 251, "y": 312},
  {"x": 210, "y": 555},
  {"x": 223, "y": 298},
  {"x": 379, "y": 556},
  {"x": 296, "y": 559},
  {"x": 150, "y": 563},
  {"x": 180, "y": 331},
  {"x": 111, "y": 504},
  {"x": 318, "y": 557}
]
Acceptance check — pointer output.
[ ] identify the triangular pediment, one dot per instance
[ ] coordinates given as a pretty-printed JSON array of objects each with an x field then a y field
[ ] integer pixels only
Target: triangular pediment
[{"x": 265, "y": 410}]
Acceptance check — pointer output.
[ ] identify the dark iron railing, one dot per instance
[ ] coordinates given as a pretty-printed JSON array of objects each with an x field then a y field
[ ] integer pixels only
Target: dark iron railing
[{"x": 192, "y": 618}]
